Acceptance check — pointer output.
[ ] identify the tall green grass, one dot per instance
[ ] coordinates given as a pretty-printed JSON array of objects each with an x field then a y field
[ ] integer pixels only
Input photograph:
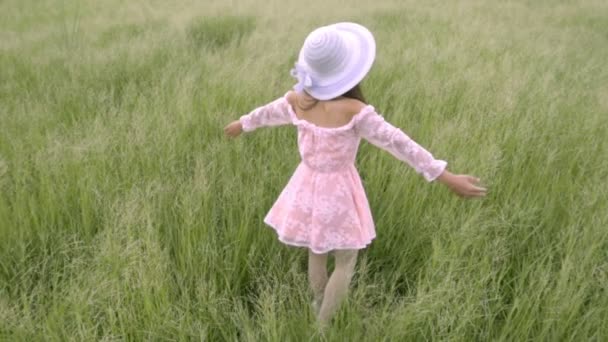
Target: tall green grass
[{"x": 125, "y": 214}]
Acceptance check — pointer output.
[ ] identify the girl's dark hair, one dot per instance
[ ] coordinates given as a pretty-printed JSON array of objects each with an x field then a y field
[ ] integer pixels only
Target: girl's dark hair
[{"x": 355, "y": 93}]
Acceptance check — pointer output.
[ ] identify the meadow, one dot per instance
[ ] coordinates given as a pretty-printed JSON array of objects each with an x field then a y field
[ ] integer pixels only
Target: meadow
[{"x": 125, "y": 214}]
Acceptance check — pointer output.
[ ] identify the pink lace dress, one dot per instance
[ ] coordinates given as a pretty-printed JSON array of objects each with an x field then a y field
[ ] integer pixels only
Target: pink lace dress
[{"x": 324, "y": 206}]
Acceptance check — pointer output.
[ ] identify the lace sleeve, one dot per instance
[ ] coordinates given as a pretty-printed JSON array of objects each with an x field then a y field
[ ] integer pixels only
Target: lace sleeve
[
  {"x": 379, "y": 132},
  {"x": 274, "y": 113}
]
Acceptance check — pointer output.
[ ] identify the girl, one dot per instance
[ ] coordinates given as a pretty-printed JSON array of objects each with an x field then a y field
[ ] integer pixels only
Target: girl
[{"x": 324, "y": 207}]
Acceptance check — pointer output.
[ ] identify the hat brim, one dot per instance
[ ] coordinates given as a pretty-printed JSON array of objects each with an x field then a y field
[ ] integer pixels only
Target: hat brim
[{"x": 362, "y": 46}]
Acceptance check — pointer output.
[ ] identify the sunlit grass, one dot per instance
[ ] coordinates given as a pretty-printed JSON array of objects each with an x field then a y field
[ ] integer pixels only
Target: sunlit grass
[{"x": 125, "y": 214}]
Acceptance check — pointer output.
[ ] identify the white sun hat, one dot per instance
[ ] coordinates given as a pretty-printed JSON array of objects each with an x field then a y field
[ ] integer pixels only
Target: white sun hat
[{"x": 334, "y": 59}]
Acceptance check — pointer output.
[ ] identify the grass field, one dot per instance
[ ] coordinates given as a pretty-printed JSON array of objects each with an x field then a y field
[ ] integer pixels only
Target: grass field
[{"x": 125, "y": 213}]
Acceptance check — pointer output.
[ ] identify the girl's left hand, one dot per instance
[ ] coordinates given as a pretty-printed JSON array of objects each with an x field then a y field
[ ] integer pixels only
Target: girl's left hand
[
  {"x": 463, "y": 185},
  {"x": 234, "y": 129}
]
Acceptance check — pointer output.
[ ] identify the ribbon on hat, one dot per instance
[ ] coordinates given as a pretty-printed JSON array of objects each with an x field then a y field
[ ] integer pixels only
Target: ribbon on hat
[{"x": 304, "y": 79}]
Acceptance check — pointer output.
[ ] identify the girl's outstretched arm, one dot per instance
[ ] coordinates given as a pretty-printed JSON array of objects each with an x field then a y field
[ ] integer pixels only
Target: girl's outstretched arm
[
  {"x": 379, "y": 132},
  {"x": 274, "y": 113},
  {"x": 372, "y": 127}
]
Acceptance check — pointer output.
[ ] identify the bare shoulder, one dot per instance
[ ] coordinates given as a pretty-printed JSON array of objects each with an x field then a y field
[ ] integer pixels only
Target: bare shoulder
[
  {"x": 347, "y": 106},
  {"x": 291, "y": 97}
]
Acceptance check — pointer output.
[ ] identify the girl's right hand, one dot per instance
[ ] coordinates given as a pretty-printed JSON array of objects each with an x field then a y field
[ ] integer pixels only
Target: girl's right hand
[
  {"x": 234, "y": 129},
  {"x": 462, "y": 185}
]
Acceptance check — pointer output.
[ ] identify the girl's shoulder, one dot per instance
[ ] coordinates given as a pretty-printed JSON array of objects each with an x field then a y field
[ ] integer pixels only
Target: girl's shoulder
[
  {"x": 344, "y": 105},
  {"x": 347, "y": 106}
]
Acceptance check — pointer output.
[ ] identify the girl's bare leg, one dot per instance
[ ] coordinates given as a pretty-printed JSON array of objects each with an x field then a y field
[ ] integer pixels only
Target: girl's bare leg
[
  {"x": 339, "y": 282},
  {"x": 317, "y": 276}
]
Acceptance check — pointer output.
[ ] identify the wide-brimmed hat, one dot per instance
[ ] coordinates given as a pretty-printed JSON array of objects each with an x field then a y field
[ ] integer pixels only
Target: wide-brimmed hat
[{"x": 334, "y": 59}]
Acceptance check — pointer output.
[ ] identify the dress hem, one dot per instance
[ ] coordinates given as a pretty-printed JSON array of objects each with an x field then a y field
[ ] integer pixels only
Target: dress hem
[{"x": 314, "y": 250}]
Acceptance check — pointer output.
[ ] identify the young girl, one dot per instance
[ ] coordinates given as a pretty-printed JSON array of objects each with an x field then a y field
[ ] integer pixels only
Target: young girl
[{"x": 324, "y": 207}]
